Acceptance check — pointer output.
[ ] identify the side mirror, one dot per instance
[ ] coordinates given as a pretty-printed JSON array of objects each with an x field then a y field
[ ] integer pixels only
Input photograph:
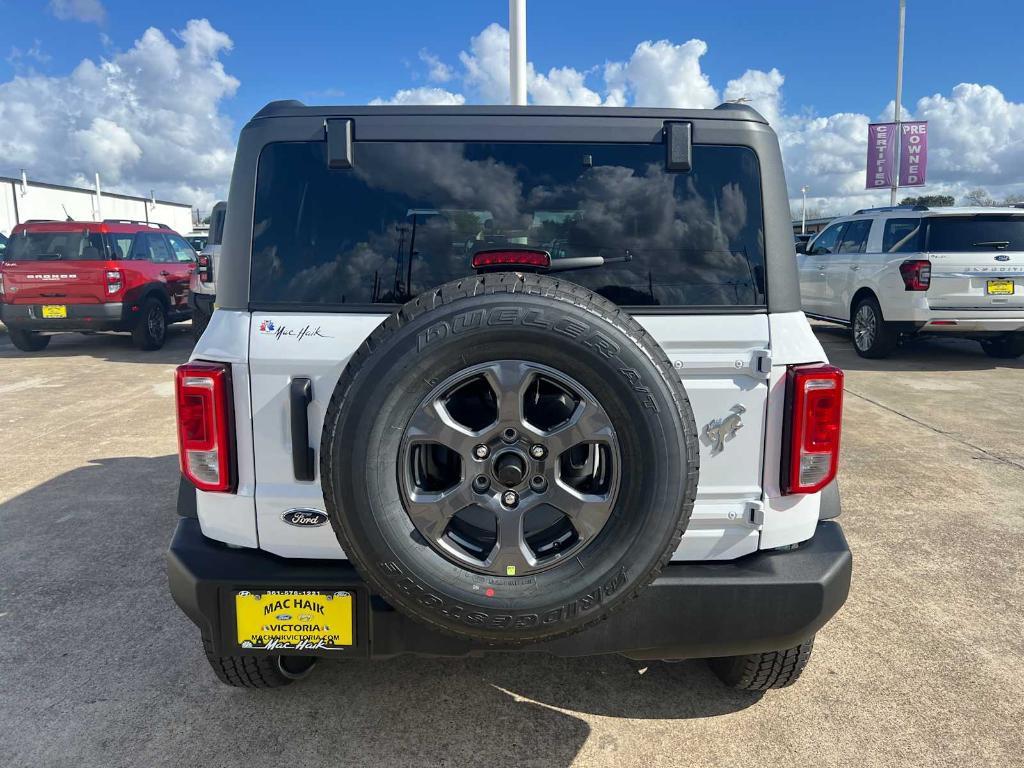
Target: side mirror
[{"x": 802, "y": 247}]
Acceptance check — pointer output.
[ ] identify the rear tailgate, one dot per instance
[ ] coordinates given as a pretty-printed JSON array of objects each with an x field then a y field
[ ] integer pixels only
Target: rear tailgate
[
  {"x": 62, "y": 282},
  {"x": 977, "y": 261},
  {"x": 977, "y": 280},
  {"x": 724, "y": 363}
]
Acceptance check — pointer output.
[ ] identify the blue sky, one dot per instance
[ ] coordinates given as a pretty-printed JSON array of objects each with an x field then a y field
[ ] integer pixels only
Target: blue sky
[
  {"x": 808, "y": 59},
  {"x": 837, "y": 56}
]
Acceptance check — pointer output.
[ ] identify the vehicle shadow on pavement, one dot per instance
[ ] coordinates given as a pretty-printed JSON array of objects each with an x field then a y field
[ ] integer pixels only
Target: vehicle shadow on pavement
[
  {"x": 97, "y": 661},
  {"x": 115, "y": 347},
  {"x": 927, "y": 354}
]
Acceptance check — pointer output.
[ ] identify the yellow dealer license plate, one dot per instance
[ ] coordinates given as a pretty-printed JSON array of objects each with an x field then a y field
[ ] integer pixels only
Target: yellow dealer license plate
[
  {"x": 55, "y": 310},
  {"x": 294, "y": 620},
  {"x": 999, "y": 288}
]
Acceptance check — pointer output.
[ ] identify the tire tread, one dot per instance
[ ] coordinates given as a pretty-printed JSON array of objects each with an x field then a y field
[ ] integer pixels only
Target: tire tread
[{"x": 764, "y": 671}]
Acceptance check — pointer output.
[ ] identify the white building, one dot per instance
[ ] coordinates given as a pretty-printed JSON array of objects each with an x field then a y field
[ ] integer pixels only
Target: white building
[{"x": 21, "y": 201}]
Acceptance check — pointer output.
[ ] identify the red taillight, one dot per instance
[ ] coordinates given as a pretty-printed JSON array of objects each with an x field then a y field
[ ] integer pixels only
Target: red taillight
[
  {"x": 916, "y": 274},
  {"x": 814, "y": 413},
  {"x": 114, "y": 281},
  {"x": 204, "y": 268},
  {"x": 511, "y": 259},
  {"x": 205, "y": 425}
]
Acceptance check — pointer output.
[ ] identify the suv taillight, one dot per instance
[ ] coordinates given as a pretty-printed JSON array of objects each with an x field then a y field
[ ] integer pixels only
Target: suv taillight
[
  {"x": 916, "y": 274},
  {"x": 205, "y": 425},
  {"x": 204, "y": 268},
  {"x": 814, "y": 413},
  {"x": 114, "y": 281}
]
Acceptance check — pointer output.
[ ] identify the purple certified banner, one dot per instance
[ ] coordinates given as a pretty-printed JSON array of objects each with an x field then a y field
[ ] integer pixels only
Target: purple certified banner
[
  {"x": 913, "y": 153},
  {"x": 881, "y": 149}
]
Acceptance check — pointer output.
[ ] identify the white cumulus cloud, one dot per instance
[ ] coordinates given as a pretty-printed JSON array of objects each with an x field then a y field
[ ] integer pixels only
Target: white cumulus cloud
[
  {"x": 423, "y": 95},
  {"x": 437, "y": 70},
  {"x": 661, "y": 74},
  {"x": 145, "y": 118}
]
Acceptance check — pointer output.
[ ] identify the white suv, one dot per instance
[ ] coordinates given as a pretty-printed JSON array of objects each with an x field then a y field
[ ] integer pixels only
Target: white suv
[
  {"x": 494, "y": 378},
  {"x": 900, "y": 271}
]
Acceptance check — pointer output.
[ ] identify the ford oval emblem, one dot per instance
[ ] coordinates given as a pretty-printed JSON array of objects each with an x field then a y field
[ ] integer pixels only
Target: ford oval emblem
[
  {"x": 305, "y": 518},
  {"x": 1002, "y": 257}
]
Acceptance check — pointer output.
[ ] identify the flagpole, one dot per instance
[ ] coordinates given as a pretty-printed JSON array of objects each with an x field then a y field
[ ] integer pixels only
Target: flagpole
[{"x": 899, "y": 98}]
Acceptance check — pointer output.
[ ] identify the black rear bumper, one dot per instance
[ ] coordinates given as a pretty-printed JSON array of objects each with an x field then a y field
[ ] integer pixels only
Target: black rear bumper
[
  {"x": 81, "y": 317},
  {"x": 203, "y": 302},
  {"x": 762, "y": 602}
]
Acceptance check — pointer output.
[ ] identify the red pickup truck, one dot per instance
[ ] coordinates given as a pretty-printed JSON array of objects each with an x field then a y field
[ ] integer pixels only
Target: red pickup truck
[{"x": 113, "y": 275}]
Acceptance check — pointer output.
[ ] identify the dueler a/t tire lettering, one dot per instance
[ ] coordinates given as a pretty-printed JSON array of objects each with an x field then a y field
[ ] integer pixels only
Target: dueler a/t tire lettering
[{"x": 476, "y": 321}]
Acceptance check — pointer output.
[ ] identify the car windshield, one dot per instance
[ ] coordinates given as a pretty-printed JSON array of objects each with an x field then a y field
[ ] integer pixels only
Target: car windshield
[
  {"x": 68, "y": 245},
  {"x": 410, "y": 216},
  {"x": 985, "y": 232}
]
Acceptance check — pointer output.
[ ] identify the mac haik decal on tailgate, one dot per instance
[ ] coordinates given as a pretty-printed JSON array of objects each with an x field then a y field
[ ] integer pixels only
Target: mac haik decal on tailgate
[{"x": 281, "y": 331}]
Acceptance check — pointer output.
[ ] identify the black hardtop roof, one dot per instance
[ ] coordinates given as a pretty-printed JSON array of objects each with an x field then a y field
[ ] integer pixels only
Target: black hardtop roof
[{"x": 294, "y": 108}]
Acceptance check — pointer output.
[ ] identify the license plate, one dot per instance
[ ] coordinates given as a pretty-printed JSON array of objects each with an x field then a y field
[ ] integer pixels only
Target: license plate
[
  {"x": 55, "y": 310},
  {"x": 999, "y": 288},
  {"x": 294, "y": 620}
]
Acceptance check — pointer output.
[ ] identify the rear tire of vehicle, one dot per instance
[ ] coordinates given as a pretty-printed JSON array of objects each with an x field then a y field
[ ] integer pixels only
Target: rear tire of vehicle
[
  {"x": 873, "y": 337},
  {"x": 763, "y": 671},
  {"x": 28, "y": 341},
  {"x": 200, "y": 320},
  {"x": 260, "y": 671},
  {"x": 474, "y": 323},
  {"x": 1006, "y": 347},
  {"x": 150, "y": 332}
]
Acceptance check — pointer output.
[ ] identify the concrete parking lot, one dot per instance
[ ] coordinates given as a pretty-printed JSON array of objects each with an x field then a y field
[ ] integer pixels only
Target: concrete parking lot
[{"x": 922, "y": 667}]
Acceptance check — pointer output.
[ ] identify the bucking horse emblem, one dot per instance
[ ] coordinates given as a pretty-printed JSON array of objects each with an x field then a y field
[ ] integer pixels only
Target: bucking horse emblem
[{"x": 720, "y": 430}]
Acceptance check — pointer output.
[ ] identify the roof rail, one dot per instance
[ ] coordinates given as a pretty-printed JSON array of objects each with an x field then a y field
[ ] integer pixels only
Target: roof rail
[
  {"x": 153, "y": 224},
  {"x": 887, "y": 208}
]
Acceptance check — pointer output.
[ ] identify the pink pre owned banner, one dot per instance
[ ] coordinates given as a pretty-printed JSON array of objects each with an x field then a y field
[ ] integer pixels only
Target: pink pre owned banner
[{"x": 913, "y": 142}]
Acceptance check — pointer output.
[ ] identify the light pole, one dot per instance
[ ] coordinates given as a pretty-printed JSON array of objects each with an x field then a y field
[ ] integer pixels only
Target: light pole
[
  {"x": 803, "y": 218},
  {"x": 899, "y": 97},
  {"x": 517, "y": 50}
]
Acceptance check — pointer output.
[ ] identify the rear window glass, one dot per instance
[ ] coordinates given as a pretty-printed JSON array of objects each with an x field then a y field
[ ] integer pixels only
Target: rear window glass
[
  {"x": 902, "y": 236},
  {"x": 56, "y": 246},
  {"x": 217, "y": 225},
  {"x": 409, "y": 216},
  {"x": 976, "y": 233}
]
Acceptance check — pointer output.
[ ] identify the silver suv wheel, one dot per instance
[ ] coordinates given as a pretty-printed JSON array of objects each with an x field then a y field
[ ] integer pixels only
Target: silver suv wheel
[{"x": 509, "y": 467}]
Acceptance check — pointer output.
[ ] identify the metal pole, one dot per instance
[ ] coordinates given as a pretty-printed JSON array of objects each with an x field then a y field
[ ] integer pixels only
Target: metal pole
[
  {"x": 99, "y": 198},
  {"x": 899, "y": 98},
  {"x": 803, "y": 219},
  {"x": 517, "y": 50}
]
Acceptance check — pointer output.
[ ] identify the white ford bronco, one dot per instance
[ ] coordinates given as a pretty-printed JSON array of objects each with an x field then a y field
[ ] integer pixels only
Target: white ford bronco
[{"x": 508, "y": 378}]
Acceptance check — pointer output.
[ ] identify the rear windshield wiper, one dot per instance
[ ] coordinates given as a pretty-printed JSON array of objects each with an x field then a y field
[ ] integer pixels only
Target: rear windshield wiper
[
  {"x": 1000, "y": 244},
  {"x": 587, "y": 262}
]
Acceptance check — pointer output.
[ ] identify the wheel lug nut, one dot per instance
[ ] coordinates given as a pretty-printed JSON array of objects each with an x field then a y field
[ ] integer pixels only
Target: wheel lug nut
[
  {"x": 538, "y": 483},
  {"x": 481, "y": 451},
  {"x": 481, "y": 483},
  {"x": 538, "y": 451},
  {"x": 510, "y": 498}
]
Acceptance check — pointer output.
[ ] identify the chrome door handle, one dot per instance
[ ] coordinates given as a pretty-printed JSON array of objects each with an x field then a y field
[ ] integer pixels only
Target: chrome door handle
[
  {"x": 164, "y": 273},
  {"x": 855, "y": 268}
]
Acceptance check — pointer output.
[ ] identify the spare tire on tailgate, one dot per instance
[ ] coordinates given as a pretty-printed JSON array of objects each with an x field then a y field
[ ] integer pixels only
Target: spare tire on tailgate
[{"x": 509, "y": 458}]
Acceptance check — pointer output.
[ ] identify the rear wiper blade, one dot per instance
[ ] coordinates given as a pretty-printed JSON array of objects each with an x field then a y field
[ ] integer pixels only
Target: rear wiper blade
[
  {"x": 587, "y": 262},
  {"x": 994, "y": 243}
]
